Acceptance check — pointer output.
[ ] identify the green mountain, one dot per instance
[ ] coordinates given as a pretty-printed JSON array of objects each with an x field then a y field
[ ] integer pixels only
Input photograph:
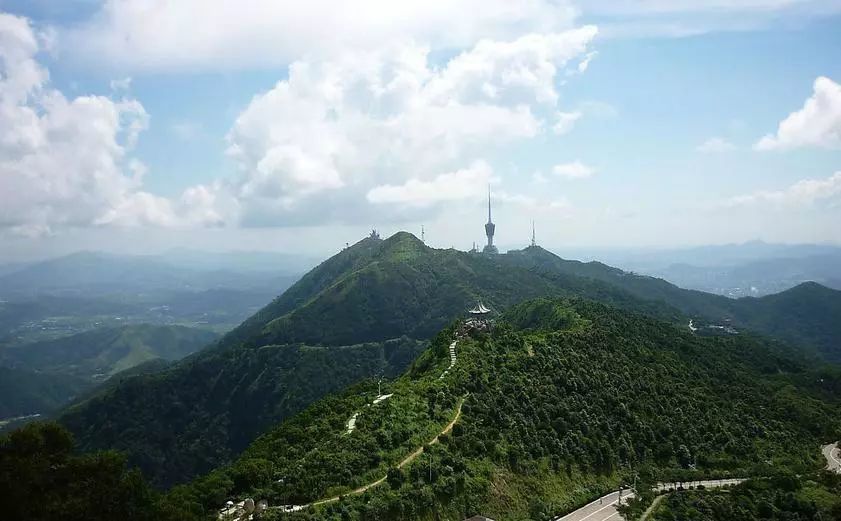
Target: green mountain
[
  {"x": 366, "y": 312},
  {"x": 101, "y": 353},
  {"x": 561, "y": 402},
  {"x": 24, "y": 393},
  {"x": 801, "y": 316}
]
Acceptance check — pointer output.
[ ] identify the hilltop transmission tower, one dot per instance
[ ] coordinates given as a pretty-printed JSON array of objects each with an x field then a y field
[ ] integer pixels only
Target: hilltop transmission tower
[
  {"x": 423, "y": 235},
  {"x": 533, "y": 240}
]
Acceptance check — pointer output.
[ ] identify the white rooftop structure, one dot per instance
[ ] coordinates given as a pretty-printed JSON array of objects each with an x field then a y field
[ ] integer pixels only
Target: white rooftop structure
[{"x": 480, "y": 309}]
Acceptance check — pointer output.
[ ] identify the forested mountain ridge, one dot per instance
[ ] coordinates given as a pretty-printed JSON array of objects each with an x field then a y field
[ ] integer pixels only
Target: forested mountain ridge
[
  {"x": 805, "y": 315},
  {"x": 384, "y": 298},
  {"x": 561, "y": 401}
]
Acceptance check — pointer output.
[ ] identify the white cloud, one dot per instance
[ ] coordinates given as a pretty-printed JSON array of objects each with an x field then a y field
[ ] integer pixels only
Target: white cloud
[
  {"x": 467, "y": 183},
  {"x": 64, "y": 162},
  {"x": 337, "y": 128},
  {"x": 139, "y": 34},
  {"x": 584, "y": 64},
  {"x": 574, "y": 170},
  {"x": 817, "y": 124},
  {"x": 565, "y": 122},
  {"x": 802, "y": 193},
  {"x": 716, "y": 145}
]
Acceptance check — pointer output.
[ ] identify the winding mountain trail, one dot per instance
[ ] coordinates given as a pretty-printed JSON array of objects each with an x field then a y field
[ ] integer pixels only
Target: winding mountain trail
[
  {"x": 452, "y": 349},
  {"x": 405, "y": 461}
]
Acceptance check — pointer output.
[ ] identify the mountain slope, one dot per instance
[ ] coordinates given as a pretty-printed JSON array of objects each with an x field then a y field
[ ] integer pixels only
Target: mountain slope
[
  {"x": 802, "y": 316},
  {"x": 24, "y": 392},
  {"x": 558, "y": 402},
  {"x": 808, "y": 314},
  {"x": 100, "y": 353},
  {"x": 371, "y": 308},
  {"x": 372, "y": 295}
]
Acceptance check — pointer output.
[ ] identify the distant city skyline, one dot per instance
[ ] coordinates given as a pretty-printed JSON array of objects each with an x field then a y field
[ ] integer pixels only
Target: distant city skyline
[{"x": 291, "y": 128}]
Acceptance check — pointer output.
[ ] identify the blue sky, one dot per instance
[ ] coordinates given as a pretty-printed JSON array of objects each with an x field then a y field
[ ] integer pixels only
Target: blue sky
[{"x": 397, "y": 119}]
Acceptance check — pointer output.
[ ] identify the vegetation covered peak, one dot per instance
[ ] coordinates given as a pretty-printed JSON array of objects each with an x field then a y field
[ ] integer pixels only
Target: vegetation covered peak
[{"x": 402, "y": 246}]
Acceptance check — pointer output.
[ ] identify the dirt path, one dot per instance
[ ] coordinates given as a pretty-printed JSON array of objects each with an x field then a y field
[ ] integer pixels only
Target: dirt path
[
  {"x": 651, "y": 507},
  {"x": 408, "y": 459}
]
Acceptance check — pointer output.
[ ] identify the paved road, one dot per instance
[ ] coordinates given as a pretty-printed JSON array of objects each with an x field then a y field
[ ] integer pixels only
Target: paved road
[
  {"x": 604, "y": 508},
  {"x": 832, "y": 453}
]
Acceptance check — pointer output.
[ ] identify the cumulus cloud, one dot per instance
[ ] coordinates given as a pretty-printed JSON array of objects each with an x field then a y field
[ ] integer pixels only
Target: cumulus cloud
[
  {"x": 65, "y": 161},
  {"x": 817, "y": 124},
  {"x": 574, "y": 170},
  {"x": 380, "y": 125},
  {"x": 138, "y": 34},
  {"x": 802, "y": 193},
  {"x": 716, "y": 145},
  {"x": 463, "y": 184}
]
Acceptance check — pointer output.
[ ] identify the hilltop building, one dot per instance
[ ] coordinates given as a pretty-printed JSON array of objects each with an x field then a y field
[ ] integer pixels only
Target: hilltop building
[{"x": 490, "y": 228}]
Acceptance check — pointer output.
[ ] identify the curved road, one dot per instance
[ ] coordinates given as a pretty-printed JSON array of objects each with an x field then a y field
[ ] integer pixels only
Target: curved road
[{"x": 604, "y": 508}]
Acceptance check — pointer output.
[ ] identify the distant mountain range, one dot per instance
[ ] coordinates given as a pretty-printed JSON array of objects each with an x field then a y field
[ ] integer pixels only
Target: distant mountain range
[
  {"x": 86, "y": 291},
  {"x": 97, "y": 274},
  {"x": 369, "y": 311},
  {"x": 736, "y": 270}
]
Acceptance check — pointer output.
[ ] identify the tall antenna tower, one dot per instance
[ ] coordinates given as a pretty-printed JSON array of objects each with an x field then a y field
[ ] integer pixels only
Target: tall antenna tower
[
  {"x": 423, "y": 235},
  {"x": 533, "y": 241}
]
